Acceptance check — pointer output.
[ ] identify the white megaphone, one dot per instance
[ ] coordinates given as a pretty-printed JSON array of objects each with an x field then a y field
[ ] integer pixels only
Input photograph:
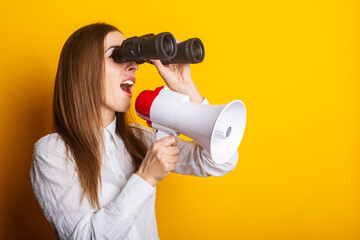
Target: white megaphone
[{"x": 217, "y": 128}]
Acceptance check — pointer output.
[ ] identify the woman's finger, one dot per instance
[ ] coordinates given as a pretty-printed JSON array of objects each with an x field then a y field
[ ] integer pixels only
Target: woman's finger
[
  {"x": 172, "y": 159},
  {"x": 168, "y": 141},
  {"x": 171, "y": 167},
  {"x": 172, "y": 151},
  {"x": 160, "y": 67}
]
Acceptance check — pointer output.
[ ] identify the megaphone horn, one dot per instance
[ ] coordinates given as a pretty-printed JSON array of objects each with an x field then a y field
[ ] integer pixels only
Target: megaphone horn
[{"x": 217, "y": 128}]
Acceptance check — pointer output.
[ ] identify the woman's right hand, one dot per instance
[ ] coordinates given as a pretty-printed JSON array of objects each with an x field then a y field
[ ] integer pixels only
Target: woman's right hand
[{"x": 160, "y": 160}]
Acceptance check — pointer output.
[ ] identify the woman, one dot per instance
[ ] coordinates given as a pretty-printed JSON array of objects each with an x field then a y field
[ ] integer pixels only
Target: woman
[{"x": 95, "y": 177}]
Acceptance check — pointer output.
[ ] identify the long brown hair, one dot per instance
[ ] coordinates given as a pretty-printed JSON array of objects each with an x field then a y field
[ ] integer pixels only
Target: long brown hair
[{"x": 78, "y": 94}]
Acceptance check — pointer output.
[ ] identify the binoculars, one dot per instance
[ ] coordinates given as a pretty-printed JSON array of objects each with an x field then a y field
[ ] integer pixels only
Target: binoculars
[{"x": 162, "y": 46}]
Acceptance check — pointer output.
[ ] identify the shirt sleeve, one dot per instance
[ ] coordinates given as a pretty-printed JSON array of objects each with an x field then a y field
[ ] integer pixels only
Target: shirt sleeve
[
  {"x": 57, "y": 189},
  {"x": 195, "y": 160}
]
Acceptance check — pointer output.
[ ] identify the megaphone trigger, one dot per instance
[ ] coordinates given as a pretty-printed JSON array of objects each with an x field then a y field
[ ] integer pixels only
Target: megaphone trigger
[{"x": 163, "y": 131}]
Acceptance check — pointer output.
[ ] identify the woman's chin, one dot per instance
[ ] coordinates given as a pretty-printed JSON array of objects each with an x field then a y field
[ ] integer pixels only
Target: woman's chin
[{"x": 123, "y": 107}]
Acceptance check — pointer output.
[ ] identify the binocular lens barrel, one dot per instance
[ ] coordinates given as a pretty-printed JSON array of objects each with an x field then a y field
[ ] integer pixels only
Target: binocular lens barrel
[
  {"x": 162, "y": 47},
  {"x": 189, "y": 51},
  {"x": 168, "y": 46},
  {"x": 150, "y": 46},
  {"x": 197, "y": 50}
]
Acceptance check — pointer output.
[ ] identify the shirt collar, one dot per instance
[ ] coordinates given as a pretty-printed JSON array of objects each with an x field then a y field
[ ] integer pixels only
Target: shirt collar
[{"x": 111, "y": 128}]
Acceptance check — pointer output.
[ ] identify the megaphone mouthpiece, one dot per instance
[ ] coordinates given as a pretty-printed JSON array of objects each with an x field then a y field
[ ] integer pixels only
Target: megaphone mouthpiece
[{"x": 144, "y": 101}]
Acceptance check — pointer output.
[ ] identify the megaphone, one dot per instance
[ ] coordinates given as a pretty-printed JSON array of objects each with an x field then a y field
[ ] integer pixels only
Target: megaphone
[{"x": 219, "y": 129}]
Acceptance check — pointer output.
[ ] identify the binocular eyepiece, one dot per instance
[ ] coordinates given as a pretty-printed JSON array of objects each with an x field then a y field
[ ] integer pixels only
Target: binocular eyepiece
[{"x": 162, "y": 46}]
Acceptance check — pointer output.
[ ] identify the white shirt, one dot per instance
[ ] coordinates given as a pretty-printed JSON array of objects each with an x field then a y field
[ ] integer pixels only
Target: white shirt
[{"x": 127, "y": 202}]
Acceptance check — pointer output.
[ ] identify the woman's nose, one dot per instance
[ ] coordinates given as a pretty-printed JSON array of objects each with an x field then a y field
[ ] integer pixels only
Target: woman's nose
[{"x": 132, "y": 67}]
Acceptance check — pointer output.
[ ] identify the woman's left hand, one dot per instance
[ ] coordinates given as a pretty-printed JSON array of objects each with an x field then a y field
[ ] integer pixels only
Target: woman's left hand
[{"x": 178, "y": 78}]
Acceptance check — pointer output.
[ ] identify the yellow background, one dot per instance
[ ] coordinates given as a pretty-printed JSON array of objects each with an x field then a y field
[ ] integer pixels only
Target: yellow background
[{"x": 295, "y": 65}]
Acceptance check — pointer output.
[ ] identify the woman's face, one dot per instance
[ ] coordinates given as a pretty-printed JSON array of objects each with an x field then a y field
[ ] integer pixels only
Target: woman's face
[{"x": 118, "y": 78}]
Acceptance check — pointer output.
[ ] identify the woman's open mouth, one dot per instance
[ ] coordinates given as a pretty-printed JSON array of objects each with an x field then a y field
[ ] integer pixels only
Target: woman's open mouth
[{"x": 127, "y": 86}]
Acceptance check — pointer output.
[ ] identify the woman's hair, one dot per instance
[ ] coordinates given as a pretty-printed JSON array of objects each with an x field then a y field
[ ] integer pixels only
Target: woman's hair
[{"x": 78, "y": 94}]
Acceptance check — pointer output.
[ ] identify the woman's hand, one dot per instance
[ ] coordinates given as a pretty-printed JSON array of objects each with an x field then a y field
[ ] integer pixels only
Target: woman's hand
[
  {"x": 178, "y": 78},
  {"x": 160, "y": 160}
]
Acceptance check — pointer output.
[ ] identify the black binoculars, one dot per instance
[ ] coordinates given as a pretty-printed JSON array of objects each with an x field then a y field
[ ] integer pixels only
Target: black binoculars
[{"x": 162, "y": 46}]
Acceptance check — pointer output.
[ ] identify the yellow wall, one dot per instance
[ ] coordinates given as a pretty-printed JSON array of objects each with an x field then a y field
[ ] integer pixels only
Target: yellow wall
[{"x": 295, "y": 64}]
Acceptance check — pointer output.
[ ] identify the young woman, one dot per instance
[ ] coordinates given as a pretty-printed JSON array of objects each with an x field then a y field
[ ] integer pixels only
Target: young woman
[{"x": 96, "y": 176}]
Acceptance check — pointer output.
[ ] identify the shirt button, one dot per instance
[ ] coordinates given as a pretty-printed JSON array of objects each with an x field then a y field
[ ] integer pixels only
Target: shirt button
[
  {"x": 111, "y": 153},
  {"x": 119, "y": 176}
]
